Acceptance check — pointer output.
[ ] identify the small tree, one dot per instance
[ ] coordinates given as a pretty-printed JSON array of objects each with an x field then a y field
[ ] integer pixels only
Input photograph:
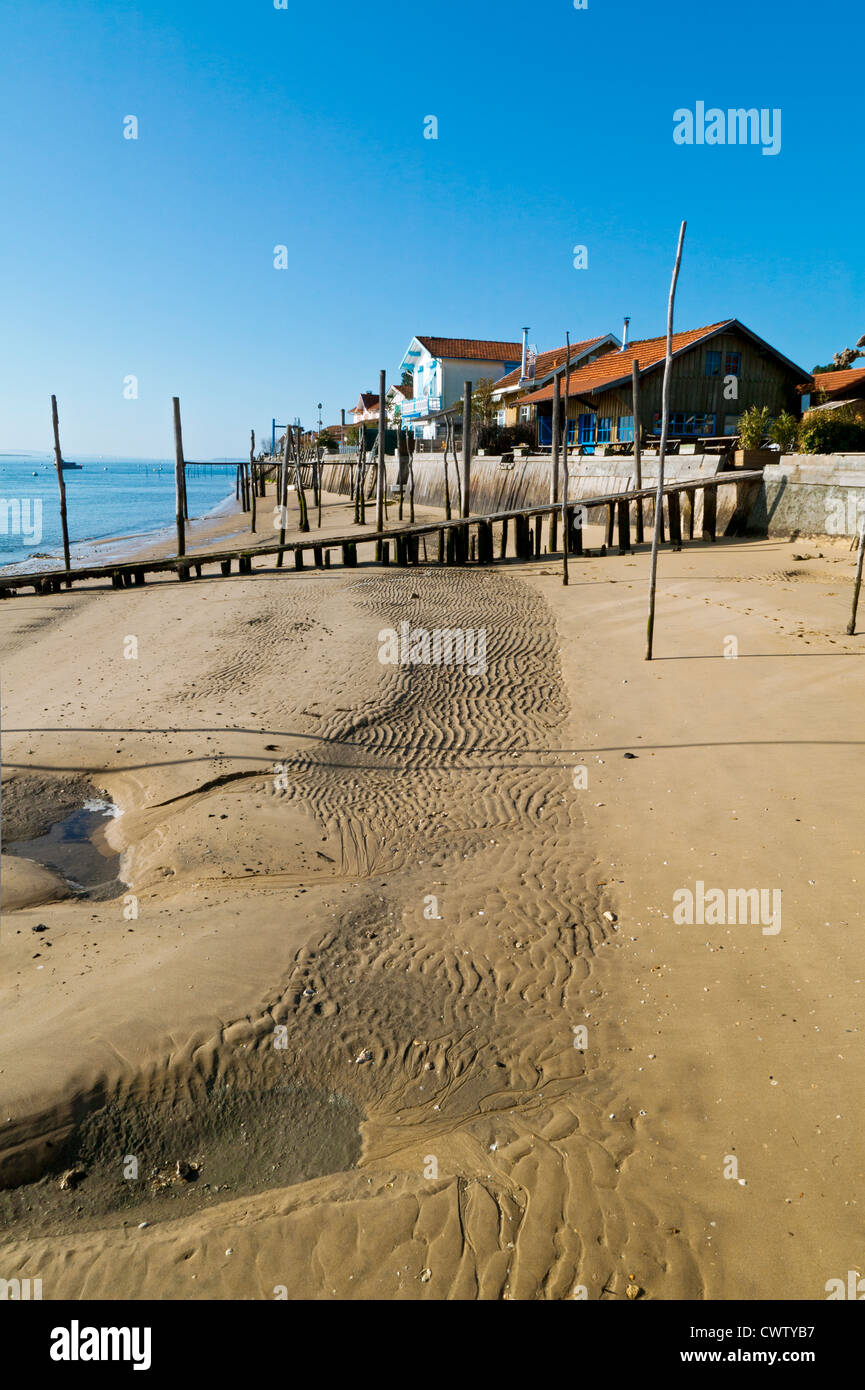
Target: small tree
[
  {"x": 484, "y": 408},
  {"x": 754, "y": 426},
  {"x": 785, "y": 431}
]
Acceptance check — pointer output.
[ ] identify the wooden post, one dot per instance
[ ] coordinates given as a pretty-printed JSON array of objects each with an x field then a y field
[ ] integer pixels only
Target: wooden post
[
  {"x": 380, "y": 480},
  {"x": 179, "y": 479},
  {"x": 565, "y": 529},
  {"x": 503, "y": 544},
  {"x": 399, "y": 464},
  {"x": 554, "y": 475},
  {"x": 638, "y": 451},
  {"x": 575, "y": 530},
  {"x": 410, "y": 445},
  {"x": 857, "y": 583},
  {"x": 282, "y": 492},
  {"x": 710, "y": 513},
  {"x": 448, "y": 431},
  {"x": 298, "y": 482},
  {"x": 624, "y": 526},
  {"x": 465, "y": 499},
  {"x": 675, "y": 515},
  {"x": 611, "y": 522},
  {"x": 665, "y": 421},
  {"x": 252, "y": 477},
  {"x": 61, "y": 485}
]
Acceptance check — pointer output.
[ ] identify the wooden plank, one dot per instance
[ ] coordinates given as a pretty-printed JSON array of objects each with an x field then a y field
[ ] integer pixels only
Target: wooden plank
[{"x": 169, "y": 565}]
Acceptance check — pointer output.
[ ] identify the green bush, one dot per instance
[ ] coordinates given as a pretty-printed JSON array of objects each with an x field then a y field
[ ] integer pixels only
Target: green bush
[
  {"x": 754, "y": 426},
  {"x": 832, "y": 432},
  {"x": 785, "y": 431}
]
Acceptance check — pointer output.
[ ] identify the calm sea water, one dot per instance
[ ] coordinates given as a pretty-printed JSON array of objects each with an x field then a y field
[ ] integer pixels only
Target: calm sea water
[{"x": 129, "y": 498}]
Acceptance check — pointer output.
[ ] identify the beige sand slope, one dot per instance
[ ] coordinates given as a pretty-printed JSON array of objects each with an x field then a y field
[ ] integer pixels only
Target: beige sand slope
[{"x": 371, "y": 915}]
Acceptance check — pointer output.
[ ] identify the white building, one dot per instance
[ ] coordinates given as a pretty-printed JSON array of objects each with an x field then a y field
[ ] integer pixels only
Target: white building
[{"x": 440, "y": 367}]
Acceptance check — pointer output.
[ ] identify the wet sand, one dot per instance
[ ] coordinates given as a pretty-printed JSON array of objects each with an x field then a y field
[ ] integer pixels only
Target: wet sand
[{"x": 370, "y": 908}]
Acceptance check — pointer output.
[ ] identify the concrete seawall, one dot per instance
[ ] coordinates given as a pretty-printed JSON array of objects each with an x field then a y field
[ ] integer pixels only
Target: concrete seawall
[{"x": 814, "y": 494}]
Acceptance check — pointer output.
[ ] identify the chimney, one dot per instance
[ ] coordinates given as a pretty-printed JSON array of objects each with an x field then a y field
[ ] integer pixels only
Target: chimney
[
  {"x": 342, "y": 418},
  {"x": 525, "y": 350},
  {"x": 625, "y": 328}
]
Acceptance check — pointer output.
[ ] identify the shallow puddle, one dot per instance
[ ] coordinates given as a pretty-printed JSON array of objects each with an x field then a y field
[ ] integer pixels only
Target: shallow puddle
[{"x": 75, "y": 848}]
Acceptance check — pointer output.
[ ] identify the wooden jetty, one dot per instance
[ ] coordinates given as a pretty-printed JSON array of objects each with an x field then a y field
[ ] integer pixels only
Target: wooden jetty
[{"x": 459, "y": 541}]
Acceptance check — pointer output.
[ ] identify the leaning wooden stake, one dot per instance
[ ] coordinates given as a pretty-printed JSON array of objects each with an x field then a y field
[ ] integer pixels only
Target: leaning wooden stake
[
  {"x": 252, "y": 477},
  {"x": 554, "y": 474},
  {"x": 851, "y": 626},
  {"x": 566, "y": 539},
  {"x": 638, "y": 456},
  {"x": 282, "y": 492},
  {"x": 466, "y": 489},
  {"x": 380, "y": 468},
  {"x": 665, "y": 421},
  {"x": 410, "y": 443},
  {"x": 61, "y": 484},
  {"x": 298, "y": 483},
  {"x": 179, "y": 478}
]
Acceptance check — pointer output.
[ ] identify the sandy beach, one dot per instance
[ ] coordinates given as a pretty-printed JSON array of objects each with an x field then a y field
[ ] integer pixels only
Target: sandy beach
[{"x": 393, "y": 976}]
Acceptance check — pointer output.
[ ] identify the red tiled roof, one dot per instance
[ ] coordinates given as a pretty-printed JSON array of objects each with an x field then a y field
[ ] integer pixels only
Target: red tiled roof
[
  {"x": 831, "y": 382},
  {"x": 548, "y": 361},
  {"x": 613, "y": 367},
  {"x": 472, "y": 349}
]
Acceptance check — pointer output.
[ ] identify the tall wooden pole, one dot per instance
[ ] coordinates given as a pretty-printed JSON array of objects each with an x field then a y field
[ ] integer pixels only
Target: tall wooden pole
[
  {"x": 282, "y": 491},
  {"x": 380, "y": 480},
  {"x": 298, "y": 482},
  {"x": 466, "y": 490},
  {"x": 252, "y": 477},
  {"x": 665, "y": 421},
  {"x": 638, "y": 452},
  {"x": 554, "y": 473},
  {"x": 179, "y": 478},
  {"x": 565, "y": 530},
  {"x": 851, "y": 626},
  {"x": 61, "y": 484}
]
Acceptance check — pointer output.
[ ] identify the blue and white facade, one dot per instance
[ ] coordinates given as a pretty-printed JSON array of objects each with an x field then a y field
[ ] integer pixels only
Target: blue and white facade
[{"x": 438, "y": 378}]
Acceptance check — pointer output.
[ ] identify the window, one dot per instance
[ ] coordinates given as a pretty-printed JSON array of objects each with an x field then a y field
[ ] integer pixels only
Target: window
[
  {"x": 524, "y": 413},
  {"x": 684, "y": 426},
  {"x": 586, "y": 434},
  {"x": 732, "y": 363},
  {"x": 501, "y": 415},
  {"x": 605, "y": 429},
  {"x": 571, "y": 431},
  {"x": 713, "y": 364},
  {"x": 625, "y": 429}
]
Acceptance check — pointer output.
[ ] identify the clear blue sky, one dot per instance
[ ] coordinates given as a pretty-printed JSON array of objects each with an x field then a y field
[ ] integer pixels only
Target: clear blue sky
[{"x": 304, "y": 127}]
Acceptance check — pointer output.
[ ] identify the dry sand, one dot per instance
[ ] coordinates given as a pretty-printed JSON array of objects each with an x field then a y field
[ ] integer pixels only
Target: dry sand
[{"x": 373, "y": 907}]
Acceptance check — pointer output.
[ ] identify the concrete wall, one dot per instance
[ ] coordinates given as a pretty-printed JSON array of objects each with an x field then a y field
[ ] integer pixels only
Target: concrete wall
[
  {"x": 815, "y": 494},
  {"x": 498, "y": 487}
]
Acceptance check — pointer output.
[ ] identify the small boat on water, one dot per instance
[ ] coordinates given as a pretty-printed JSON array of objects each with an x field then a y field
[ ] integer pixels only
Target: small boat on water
[{"x": 67, "y": 463}]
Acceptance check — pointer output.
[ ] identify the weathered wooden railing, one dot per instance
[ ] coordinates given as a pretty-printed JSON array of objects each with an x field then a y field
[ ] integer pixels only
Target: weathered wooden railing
[{"x": 455, "y": 542}]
